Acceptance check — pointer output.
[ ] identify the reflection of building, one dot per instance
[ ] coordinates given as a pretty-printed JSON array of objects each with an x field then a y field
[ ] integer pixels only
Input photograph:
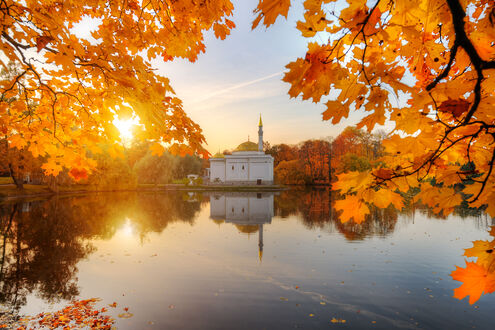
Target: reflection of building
[
  {"x": 247, "y": 211},
  {"x": 248, "y": 164}
]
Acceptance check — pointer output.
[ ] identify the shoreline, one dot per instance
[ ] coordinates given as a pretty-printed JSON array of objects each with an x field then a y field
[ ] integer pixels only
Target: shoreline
[{"x": 10, "y": 192}]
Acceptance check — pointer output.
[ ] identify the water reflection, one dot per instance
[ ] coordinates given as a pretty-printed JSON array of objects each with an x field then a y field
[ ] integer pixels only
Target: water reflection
[
  {"x": 46, "y": 245},
  {"x": 43, "y": 241},
  {"x": 248, "y": 211}
]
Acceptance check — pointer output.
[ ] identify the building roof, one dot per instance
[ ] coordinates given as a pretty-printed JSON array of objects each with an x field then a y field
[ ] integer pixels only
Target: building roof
[
  {"x": 218, "y": 155},
  {"x": 247, "y": 146}
]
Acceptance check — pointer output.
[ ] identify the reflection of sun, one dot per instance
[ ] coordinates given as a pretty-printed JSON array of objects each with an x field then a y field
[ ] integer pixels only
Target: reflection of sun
[
  {"x": 125, "y": 127},
  {"x": 127, "y": 229}
]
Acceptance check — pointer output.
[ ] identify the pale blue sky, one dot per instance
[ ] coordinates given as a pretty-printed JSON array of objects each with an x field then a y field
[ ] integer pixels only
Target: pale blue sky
[{"x": 227, "y": 88}]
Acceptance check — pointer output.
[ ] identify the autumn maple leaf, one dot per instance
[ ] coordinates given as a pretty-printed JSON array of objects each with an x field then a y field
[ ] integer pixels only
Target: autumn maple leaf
[
  {"x": 485, "y": 252},
  {"x": 455, "y": 107},
  {"x": 475, "y": 279}
]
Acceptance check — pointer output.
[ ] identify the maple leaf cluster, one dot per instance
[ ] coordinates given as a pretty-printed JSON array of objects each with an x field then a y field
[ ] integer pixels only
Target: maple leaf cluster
[
  {"x": 59, "y": 93},
  {"x": 427, "y": 67},
  {"x": 478, "y": 277}
]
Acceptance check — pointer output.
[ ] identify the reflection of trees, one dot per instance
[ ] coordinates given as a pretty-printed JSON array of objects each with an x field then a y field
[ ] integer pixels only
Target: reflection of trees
[
  {"x": 42, "y": 242},
  {"x": 315, "y": 208},
  {"x": 381, "y": 222}
]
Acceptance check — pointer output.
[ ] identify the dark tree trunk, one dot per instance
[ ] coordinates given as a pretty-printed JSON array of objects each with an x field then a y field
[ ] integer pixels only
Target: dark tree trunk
[{"x": 17, "y": 181}]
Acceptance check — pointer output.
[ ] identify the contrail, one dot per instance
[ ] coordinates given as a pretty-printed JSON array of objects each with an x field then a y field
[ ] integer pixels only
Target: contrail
[{"x": 228, "y": 89}]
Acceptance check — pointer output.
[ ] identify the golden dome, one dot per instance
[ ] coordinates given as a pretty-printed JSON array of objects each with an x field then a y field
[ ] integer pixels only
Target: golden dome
[
  {"x": 219, "y": 155},
  {"x": 247, "y": 146},
  {"x": 247, "y": 229}
]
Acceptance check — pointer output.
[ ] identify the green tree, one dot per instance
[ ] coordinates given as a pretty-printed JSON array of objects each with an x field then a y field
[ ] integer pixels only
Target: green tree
[{"x": 156, "y": 169}]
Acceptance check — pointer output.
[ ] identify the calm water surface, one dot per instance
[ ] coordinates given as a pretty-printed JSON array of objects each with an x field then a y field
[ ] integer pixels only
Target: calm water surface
[{"x": 238, "y": 260}]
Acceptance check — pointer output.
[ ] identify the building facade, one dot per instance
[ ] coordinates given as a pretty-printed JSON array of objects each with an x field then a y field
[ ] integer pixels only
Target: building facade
[{"x": 248, "y": 164}]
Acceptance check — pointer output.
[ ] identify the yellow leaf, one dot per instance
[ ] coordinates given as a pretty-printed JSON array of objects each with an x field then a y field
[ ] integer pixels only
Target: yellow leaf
[
  {"x": 353, "y": 208},
  {"x": 157, "y": 149},
  {"x": 269, "y": 10}
]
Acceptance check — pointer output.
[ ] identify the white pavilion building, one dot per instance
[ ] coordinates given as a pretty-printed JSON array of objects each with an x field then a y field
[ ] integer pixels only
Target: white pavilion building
[{"x": 248, "y": 164}]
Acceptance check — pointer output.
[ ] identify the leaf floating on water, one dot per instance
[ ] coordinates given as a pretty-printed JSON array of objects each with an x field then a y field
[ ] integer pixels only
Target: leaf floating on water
[
  {"x": 323, "y": 303},
  {"x": 311, "y": 315},
  {"x": 113, "y": 305},
  {"x": 126, "y": 315},
  {"x": 334, "y": 320},
  {"x": 284, "y": 299},
  {"x": 171, "y": 306}
]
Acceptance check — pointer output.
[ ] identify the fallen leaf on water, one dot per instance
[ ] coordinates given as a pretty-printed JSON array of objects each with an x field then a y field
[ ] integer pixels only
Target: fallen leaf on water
[
  {"x": 126, "y": 309},
  {"x": 311, "y": 315},
  {"x": 171, "y": 306},
  {"x": 284, "y": 299},
  {"x": 334, "y": 320},
  {"x": 113, "y": 305},
  {"x": 126, "y": 315},
  {"x": 322, "y": 303}
]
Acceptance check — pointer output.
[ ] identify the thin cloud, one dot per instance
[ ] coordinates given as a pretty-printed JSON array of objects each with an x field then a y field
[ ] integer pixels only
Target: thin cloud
[{"x": 237, "y": 86}]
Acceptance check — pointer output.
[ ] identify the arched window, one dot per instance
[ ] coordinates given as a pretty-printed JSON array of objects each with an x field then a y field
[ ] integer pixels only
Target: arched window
[{"x": 232, "y": 167}]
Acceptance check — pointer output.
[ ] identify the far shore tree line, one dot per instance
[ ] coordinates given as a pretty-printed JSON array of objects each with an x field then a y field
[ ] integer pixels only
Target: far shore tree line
[
  {"x": 136, "y": 164},
  {"x": 318, "y": 161},
  {"x": 311, "y": 162}
]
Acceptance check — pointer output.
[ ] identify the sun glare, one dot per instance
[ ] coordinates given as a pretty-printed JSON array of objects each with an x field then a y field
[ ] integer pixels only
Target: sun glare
[{"x": 125, "y": 127}]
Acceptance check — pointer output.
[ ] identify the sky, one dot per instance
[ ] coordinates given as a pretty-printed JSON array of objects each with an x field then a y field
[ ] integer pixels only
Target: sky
[{"x": 239, "y": 78}]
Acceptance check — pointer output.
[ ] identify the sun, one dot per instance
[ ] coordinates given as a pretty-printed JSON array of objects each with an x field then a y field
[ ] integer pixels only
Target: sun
[{"x": 126, "y": 127}]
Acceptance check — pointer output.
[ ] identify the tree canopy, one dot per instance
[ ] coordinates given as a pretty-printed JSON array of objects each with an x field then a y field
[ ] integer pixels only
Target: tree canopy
[
  {"x": 428, "y": 68},
  {"x": 63, "y": 91}
]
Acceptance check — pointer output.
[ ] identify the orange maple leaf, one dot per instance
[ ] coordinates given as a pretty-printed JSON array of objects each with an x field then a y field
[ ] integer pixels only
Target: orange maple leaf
[
  {"x": 269, "y": 10},
  {"x": 157, "y": 149},
  {"x": 475, "y": 279},
  {"x": 78, "y": 174},
  {"x": 42, "y": 41},
  {"x": 353, "y": 208},
  {"x": 455, "y": 107}
]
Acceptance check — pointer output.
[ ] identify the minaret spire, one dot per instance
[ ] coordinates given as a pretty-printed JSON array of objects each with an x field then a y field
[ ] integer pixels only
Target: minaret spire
[
  {"x": 260, "y": 135},
  {"x": 260, "y": 241}
]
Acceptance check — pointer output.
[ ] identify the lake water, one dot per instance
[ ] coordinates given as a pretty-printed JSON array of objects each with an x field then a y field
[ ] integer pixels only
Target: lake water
[{"x": 238, "y": 261}]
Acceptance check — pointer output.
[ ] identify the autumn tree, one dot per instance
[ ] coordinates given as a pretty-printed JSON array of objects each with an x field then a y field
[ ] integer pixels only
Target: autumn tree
[
  {"x": 427, "y": 67},
  {"x": 79, "y": 85},
  {"x": 156, "y": 169},
  {"x": 316, "y": 157},
  {"x": 291, "y": 172},
  {"x": 282, "y": 152}
]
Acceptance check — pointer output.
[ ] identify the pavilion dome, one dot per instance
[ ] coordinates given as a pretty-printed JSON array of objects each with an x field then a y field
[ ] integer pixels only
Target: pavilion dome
[
  {"x": 218, "y": 155},
  {"x": 247, "y": 146},
  {"x": 247, "y": 229}
]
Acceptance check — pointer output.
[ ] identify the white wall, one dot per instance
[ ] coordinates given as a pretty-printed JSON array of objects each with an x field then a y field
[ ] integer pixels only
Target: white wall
[
  {"x": 237, "y": 170},
  {"x": 217, "y": 169}
]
